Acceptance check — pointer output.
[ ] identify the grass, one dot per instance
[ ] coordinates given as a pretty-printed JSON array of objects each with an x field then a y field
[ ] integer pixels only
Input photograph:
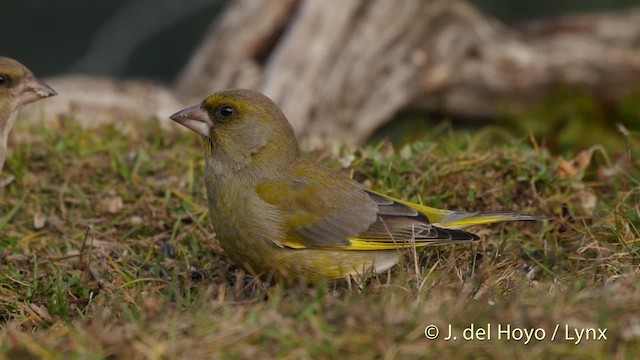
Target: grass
[{"x": 106, "y": 251}]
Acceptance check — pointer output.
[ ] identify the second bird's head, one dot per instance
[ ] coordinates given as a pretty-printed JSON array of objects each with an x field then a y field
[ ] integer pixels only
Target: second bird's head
[
  {"x": 244, "y": 127},
  {"x": 18, "y": 86}
]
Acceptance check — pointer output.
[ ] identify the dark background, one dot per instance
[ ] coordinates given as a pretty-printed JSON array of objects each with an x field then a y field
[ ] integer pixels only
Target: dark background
[{"x": 154, "y": 38}]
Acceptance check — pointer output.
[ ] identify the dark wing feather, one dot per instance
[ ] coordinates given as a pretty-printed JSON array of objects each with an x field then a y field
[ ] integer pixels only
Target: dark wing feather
[{"x": 400, "y": 223}]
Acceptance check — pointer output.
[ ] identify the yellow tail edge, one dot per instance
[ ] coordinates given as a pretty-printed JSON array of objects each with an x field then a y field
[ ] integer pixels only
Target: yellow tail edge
[{"x": 456, "y": 220}]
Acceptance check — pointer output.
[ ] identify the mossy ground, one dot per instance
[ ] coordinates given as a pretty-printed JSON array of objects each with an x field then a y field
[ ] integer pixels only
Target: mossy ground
[{"x": 107, "y": 252}]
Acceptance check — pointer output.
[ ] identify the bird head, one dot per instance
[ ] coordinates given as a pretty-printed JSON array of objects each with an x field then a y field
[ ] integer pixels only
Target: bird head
[
  {"x": 243, "y": 127},
  {"x": 18, "y": 85}
]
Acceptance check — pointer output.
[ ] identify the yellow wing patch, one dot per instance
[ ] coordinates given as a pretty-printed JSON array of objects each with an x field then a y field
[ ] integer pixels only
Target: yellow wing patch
[{"x": 434, "y": 215}]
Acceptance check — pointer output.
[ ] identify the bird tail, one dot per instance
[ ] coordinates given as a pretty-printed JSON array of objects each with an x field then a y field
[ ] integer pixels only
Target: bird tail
[{"x": 457, "y": 219}]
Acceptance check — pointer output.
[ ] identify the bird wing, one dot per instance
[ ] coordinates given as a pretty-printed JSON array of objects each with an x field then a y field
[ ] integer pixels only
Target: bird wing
[
  {"x": 346, "y": 217},
  {"x": 400, "y": 225},
  {"x": 318, "y": 215}
]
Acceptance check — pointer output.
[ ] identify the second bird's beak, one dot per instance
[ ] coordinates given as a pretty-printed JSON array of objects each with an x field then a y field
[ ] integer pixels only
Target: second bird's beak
[
  {"x": 34, "y": 90},
  {"x": 194, "y": 118}
]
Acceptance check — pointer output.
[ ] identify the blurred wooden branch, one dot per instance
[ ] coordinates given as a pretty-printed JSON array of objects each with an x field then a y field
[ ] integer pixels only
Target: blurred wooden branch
[
  {"x": 342, "y": 69},
  {"x": 95, "y": 101}
]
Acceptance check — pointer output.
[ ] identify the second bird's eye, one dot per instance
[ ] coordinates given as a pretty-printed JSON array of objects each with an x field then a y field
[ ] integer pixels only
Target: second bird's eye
[
  {"x": 226, "y": 110},
  {"x": 2, "y": 80}
]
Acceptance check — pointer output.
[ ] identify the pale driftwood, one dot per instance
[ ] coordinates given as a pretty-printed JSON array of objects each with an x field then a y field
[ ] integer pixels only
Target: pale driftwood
[
  {"x": 232, "y": 53},
  {"x": 95, "y": 101},
  {"x": 341, "y": 69}
]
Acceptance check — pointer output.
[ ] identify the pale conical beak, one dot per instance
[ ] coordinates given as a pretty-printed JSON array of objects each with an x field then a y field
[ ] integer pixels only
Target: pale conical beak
[
  {"x": 194, "y": 118},
  {"x": 34, "y": 90}
]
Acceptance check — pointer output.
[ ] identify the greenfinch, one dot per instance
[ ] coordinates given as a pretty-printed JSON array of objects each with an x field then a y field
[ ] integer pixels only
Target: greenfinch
[
  {"x": 18, "y": 87},
  {"x": 277, "y": 212}
]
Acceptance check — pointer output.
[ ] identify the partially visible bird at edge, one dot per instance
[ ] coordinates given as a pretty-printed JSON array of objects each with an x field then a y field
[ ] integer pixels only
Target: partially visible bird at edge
[{"x": 18, "y": 87}]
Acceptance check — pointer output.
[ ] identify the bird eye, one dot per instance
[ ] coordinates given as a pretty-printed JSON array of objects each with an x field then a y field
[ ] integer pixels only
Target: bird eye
[
  {"x": 2, "y": 80},
  {"x": 226, "y": 110}
]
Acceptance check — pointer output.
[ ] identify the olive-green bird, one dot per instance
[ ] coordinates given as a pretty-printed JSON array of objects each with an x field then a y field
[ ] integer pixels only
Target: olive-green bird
[
  {"x": 278, "y": 212},
  {"x": 18, "y": 87}
]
